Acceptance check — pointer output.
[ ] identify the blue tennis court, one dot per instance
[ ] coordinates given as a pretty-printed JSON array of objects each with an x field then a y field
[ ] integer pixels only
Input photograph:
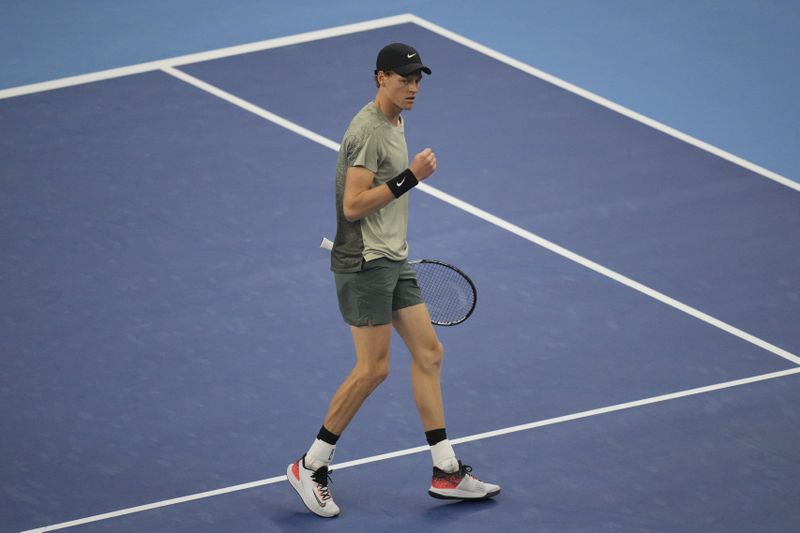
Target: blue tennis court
[{"x": 171, "y": 335}]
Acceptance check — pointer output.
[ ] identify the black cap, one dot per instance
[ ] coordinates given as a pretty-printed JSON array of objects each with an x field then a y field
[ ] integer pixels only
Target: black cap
[{"x": 400, "y": 58}]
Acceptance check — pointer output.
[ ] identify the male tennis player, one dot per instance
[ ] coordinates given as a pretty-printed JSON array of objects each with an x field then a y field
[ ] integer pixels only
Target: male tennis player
[{"x": 376, "y": 287}]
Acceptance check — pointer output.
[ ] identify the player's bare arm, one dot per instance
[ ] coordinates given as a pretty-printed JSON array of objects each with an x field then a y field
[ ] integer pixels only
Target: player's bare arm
[{"x": 362, "y": 199}]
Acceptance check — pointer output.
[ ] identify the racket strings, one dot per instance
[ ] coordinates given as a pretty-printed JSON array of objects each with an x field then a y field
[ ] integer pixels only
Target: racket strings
[{"x": 449, "y": 295}]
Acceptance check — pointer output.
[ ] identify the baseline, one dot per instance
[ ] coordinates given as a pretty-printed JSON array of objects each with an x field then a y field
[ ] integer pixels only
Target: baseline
[{"x": 258, "y": 46}]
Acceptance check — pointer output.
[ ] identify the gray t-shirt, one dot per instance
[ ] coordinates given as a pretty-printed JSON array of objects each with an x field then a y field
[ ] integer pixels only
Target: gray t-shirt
[{"x": 372, "y": 142}]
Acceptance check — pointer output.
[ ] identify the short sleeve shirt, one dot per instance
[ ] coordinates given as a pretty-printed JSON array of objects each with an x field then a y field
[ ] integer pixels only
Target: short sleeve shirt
[{"x": 372, "y": 142}]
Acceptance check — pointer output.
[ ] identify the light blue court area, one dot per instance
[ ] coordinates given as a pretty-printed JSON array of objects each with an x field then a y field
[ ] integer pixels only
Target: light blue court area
[
  {"x": 719, "y": 70},
  {"x": 171, "y": 335}
]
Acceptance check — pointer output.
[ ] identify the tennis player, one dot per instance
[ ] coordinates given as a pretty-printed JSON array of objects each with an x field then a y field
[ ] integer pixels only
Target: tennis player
[{"x": 377, "y": 289}]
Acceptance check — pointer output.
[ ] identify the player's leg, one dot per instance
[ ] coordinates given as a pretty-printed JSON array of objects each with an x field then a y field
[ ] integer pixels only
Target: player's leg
[
  {"x": 365, "y": 299},
  {"x": 451, "y": 479},
  {"x": 309, "y": 474},
  {"x": 414, "y": 327},
  {"x": 371, "y": 368}
]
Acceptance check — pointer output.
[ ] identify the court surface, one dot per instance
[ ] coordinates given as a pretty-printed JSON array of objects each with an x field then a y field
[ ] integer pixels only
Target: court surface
[{"x": 174, "y": 337}]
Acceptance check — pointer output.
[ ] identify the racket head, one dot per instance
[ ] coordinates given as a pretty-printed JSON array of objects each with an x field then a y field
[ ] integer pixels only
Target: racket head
[{"x": 450, "y": 295}]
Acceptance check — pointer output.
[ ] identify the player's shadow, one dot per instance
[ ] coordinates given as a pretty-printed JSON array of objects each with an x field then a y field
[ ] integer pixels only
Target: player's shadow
[{"x": 458, "y": 509}]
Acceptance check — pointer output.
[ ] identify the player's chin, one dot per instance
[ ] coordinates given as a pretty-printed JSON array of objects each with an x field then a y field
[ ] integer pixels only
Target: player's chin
[{"x": 408, "y": 103}]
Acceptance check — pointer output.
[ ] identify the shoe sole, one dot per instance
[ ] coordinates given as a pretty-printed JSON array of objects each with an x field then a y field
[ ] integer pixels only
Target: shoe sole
[
  {"x": 294, "y": 482},
  {"x": 486, "y": 496}
]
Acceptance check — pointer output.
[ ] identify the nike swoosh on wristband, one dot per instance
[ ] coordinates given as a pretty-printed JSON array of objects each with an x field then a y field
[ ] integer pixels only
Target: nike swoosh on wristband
[{"x": 401, "y": 182}]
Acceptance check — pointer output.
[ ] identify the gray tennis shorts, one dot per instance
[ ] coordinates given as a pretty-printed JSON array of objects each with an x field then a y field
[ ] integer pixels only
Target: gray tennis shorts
[{"x": 370, "y": 296}]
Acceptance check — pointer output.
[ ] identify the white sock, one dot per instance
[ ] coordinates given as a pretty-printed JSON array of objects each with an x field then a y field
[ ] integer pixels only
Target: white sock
[
  {"x": 320, "y": 454},
  {"x": 444, "y": 457}
]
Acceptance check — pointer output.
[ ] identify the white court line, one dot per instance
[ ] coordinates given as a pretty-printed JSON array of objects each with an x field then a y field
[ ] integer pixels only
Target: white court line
[
  {"x": 252, "y": 108},
  {"x": 382, "y": 23},
  {"x": 205, "y": 56},
  {"x": 420, "y": 449},
  {"x": 616, "y": 276},
  {"x": 494, "y": 54},
  {"x": 497, "y": 221}
]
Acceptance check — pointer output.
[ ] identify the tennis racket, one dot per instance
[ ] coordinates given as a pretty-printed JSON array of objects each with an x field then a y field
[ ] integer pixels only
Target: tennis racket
[{"x": 449, "y": 293}]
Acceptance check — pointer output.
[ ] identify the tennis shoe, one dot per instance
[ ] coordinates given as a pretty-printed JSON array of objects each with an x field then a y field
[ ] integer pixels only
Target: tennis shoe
[
  {"x": 313, "y": 488},
  {"x": 460, "y": 485}
]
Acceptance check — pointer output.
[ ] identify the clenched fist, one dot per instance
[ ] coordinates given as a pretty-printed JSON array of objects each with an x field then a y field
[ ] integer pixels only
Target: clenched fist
[{"x": 424, "y": 164}]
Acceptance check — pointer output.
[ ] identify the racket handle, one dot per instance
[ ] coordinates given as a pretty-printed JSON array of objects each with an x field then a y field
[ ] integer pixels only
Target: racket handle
[{"x": 326, "y": 244}]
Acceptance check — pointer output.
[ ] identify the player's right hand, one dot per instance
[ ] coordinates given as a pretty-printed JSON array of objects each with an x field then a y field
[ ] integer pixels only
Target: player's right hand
[{"x": 424, "y": 164}]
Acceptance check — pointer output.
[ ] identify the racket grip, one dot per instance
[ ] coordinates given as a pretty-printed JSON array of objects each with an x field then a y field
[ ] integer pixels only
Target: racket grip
[{"x": 326, "y": 244}]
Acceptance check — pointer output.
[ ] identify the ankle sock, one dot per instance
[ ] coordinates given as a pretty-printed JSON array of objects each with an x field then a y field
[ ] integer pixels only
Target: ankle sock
[
  {"x": 322, "y": 449},
  {"x": 442, "y": 453}
]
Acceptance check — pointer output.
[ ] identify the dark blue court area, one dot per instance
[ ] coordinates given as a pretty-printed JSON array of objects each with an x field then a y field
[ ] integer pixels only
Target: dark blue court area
[{"x": 169, "y": 325}]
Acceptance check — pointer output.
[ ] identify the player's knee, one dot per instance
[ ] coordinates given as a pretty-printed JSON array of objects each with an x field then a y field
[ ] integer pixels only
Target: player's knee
[
  {"x": 380, "y": 373},
  {"x": 438, "y": 354},
  {"x": 374, "y": 374},
  {"x": 432, "y": 356}
]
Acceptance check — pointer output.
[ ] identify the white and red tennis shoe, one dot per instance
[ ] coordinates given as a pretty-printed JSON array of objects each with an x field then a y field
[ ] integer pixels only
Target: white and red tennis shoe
[
  {"x": 460, "y": 485},
  {"x": 313, "y": 488}
]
